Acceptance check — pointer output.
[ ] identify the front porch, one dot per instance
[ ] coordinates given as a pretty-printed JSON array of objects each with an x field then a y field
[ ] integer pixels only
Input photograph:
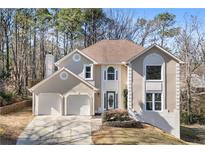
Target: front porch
[{"x": 108, "y": 100}]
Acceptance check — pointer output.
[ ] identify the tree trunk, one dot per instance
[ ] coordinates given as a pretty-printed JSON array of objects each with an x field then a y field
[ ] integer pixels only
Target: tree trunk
[
  {"x": 15, "y": 55},
  {"x": 42, "y": 56},
  {"x": 34, "y": 56},
  {"x": 64, "y": 44},
  {"x": 189, "y": 99},
  {"x": 71, "y": 42},
  {"x": 57, "y": 46},
  {"x": 85, "y": 35},
  {"x": 67, "y": 43},
  {"x": 7, "y": 50},
  {"x": 3, "y": 57}
]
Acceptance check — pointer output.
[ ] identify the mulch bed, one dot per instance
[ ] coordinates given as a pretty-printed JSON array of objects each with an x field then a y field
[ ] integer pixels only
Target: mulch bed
[{"x": 125, "y": 124}]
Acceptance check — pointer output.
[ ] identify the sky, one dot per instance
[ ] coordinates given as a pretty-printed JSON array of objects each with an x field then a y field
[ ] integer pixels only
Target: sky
[{"x": 180, "y": 13}]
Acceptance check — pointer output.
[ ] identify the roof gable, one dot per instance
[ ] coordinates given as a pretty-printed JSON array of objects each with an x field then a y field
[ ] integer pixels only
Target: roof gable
[
  {"x": 57, "y": 72},
  {"x": 70, "y": 54},
  {"x": 160, "y": 49}
]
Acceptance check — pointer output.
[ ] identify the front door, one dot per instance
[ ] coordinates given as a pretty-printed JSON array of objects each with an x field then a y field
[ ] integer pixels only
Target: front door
[{"x": 111, "y": 99}]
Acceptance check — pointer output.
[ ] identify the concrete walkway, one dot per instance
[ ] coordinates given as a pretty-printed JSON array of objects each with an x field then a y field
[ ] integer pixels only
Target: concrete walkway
[{"x": 59, "y": 130}]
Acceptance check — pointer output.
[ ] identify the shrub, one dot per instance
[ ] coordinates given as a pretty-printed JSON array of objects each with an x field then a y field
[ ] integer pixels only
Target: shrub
[
  {"x": 184, "y": 118},
  {"x": 4, "y": 75},
  {"x": 192, "y": 118},
  {"x": 1, "y": 101},
  {"x": 116, "y": 115},
  {"x": 125, "y": 124},
  {"x": 125, "y": 92},
  {"x": 7, "y": 96}
]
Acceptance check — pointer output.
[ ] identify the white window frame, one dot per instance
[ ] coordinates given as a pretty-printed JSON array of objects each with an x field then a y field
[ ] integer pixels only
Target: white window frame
[
  {"x": 114, "y": 73},
  {"x": 154, "y": 65},
  {"x": 91, "y": 71},
  {"x": 104, "y": 75},
  {"x": 153, "y": 101},
  {"x": 153, "y": 59}
]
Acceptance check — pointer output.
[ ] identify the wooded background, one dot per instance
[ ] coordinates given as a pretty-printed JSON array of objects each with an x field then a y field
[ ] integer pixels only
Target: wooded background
[{"x": 27, "y": 35}]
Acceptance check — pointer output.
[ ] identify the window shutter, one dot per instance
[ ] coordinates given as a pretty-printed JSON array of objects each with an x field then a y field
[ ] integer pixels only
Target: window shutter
[
  {"x": 104, "y": 74},
  {"x": 116, "y": 100},
  {"x": 105, "y": 102},
  {"x": 116, "y": 76}
]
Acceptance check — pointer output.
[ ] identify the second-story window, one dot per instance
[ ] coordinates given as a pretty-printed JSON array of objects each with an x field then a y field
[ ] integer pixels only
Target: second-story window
[
  {"x": 88, "y": 72},
  {"x": 110, "y": 73},
  {"x": 153, "y": 72}
]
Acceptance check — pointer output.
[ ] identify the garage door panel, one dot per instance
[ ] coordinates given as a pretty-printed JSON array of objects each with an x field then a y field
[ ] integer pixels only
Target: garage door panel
[
  {"x": 49, "y": 104},
  {"x": 78, "y": 105}
]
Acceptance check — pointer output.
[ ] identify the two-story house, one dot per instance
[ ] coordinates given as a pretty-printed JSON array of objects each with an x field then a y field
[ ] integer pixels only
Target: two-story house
[{"x": 92, "y": 80}]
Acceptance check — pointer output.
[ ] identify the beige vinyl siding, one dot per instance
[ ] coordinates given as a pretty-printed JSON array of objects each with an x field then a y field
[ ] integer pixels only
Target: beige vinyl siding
[
  {"x": 97, "y": 80},
  {"x": 170, "y": 80},
  {"x": 97, "y": 101},
  {"x": 171, "y": 85},
  {"x": 137, "y": 66},
  {"x": 75, "y": 67},
  {"x": 123, "y": 84},
  {"x": 56, "y": 85},
  {"x": 97, "y": 76}
]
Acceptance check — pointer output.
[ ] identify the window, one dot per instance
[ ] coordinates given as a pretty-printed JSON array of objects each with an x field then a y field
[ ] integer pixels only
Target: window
[
  {"x": 116, "y": 76},
  {"x": 88, "y": 72},
  {"x": 153, "y": 72},
  {"x": 153, "y": 102},
  {"x": 148, "y": 101},
  {"x": 157, "y": 102},
  {"x": 104, "y": 74},
  {"x": 110, "y": 73}
]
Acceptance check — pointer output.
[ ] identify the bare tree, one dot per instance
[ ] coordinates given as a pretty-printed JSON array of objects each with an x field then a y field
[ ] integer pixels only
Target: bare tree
[
  {"x": 190, "y": 47},
  {"x": 6, "y": 20},
  {"x": 146, "y": 29},
  {"x": 121, "y": 25}
]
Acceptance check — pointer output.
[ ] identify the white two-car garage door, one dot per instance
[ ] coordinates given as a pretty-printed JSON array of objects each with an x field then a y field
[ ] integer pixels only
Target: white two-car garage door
[
  {"x": 49, "y": 104},
  {"x": 78, "y": 105}
]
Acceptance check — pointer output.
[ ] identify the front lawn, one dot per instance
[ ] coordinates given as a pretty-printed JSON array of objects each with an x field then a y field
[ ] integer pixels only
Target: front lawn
[
  {"x": 130, "y": 136},
  {"x": 119, "y": 128},
  {"x": 12, "y": 124}
]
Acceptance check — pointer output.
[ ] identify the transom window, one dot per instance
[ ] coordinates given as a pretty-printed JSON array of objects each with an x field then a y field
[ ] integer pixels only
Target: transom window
[
  {"x": 88, "y": 72},
  {"x": 153, "y": 101},
  {"x": 153, "y": 72},
  {"x": 110, "y": 73}
]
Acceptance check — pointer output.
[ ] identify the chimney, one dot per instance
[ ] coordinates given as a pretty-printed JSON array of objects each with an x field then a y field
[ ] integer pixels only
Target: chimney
[{"x": 49, "y": 63}]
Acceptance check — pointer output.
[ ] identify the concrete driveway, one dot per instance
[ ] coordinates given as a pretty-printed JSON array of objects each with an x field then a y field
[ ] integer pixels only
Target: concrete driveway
[{"x": 59, "y": 130}]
